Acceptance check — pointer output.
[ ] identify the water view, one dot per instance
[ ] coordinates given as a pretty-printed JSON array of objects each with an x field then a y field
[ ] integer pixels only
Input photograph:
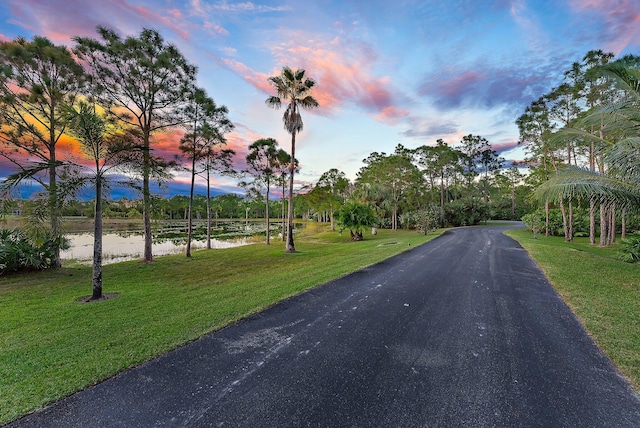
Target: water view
[
  {"x": 117, "y": 248},
  {"x": 168, "y": 238}
]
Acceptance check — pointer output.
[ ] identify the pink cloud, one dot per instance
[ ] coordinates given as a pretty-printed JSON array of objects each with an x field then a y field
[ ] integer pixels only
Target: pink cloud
[
  {"x": 4, "y": 38},
  {"x": 59, "y": 20},
  {"x": 621, "y": 21},
  {"x": 391, "y": 114},
  {"x": 504, "y": 147},
  {"x": 343, "y": 74},
  {"x": 256, "y": 79},
  {"x": 214, "y": 29}
]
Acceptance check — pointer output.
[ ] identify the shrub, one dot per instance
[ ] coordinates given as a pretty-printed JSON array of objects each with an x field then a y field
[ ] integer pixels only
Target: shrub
[
  {"x": 466, "y": 212},
  {"x": 534, "y": 223},
  {"x": 18, "y": 253},
  {"x": 630, "y": 250},
  {"x": 355, "y": 217},
  {"x": 424, "y": 220}
]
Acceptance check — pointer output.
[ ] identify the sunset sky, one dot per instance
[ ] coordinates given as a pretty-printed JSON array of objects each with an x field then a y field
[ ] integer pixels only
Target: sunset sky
[{"x": 388, "y": 72}]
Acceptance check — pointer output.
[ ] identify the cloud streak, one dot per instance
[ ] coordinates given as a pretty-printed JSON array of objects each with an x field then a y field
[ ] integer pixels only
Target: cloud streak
[
  {"x": 621, "y": 21},
  {"x": 59, "y": 20}
]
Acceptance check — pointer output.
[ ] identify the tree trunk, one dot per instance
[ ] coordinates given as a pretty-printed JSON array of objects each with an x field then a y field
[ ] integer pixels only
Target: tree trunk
[
  {"x": 612, "y": 227},
  {"x": 190, "y": 215},
  {"x": 209, "y": 211},
  {"x": 546, "y": 218},
  {"x": 146, "y": 201},
  {"x": 623, "y": 219},
  {"x": 592, "y": 222},
  {"x": 564, "y": 221},
  {"x": 267, "y": 215},
  {"x": 96, "y": 277},
  {"x": 603, "y": 225},
  {"x": 290, "y": 247},
  {"x": 570, "y": 221},
  {"x": 513, "y": 202},
  {"x": 283, "y": 210},
  {"x": 54, "y": 217},
  {"x": 333, "y": 223}
]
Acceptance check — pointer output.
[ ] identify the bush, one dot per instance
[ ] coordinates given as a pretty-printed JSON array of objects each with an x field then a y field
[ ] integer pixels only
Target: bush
[
  {"x": 429, "y": 218},
  {"x": 355, "y": 217},
  {"x": 534, "y": 223},
  {"x": 18, "y": 253},
  {"x": 630, "y": 250},
  {"x": 466, "y": 212}
]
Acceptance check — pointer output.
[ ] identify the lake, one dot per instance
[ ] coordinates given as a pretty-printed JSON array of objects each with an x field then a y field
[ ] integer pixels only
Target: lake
[
  {"x": 124, "y": 240},
  {"x": 121, "y": 247}
]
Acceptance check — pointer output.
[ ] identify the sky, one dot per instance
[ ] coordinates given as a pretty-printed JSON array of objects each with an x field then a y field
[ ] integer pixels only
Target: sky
[{"x": 387, "y": 72}]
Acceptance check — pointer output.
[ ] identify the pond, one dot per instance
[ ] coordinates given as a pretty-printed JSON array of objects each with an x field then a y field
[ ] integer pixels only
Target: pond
[
  {"x": 118, "y": 248},
  {"x": 168, "y": 238}
]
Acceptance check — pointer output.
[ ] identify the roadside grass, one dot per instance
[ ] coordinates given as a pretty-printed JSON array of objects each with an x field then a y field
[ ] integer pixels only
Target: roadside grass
[
  {"x": 51, "y": 345},
  {"x": 602, "y": 291}
]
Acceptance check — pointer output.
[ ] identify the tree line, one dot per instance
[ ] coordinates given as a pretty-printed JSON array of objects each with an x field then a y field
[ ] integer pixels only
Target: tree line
[
  {"x": 113, "y": 95},
  {"x": 581, "y": 138}
]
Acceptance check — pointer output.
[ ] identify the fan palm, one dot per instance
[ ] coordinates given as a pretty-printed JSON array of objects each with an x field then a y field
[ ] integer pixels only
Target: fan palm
[{"x": 295, "y": 88}]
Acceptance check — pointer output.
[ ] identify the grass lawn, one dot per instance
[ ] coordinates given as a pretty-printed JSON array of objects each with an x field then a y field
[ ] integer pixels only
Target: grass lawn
[
  {"x": 51, "y": 345},
  {"x": 602, "y": 291}
]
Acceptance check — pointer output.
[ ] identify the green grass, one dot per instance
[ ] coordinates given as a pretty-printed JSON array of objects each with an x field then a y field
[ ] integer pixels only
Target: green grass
[
  {"x": 51, "y": 345},
  {"x": 602, "y": 291}
]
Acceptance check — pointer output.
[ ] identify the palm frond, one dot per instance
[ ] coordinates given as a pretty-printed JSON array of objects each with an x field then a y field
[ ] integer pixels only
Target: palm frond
[{"x": 582, "y": 185}]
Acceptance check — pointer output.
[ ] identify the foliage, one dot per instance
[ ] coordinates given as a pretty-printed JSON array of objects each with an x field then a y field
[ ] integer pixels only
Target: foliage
[
  {"x": 37, "y": 80},
  {"x": 17, "y": 253},
  {"x": 261, "y": 163},
  {"x": 329, "y": 193},
  {"x": 143, "y": 82},
  {"x": 205, "y": 123},
  {"x": 429, "y": 218},
  {"x": 355, "y": 217},
  {"x": 386, "y": 180},
  {"x": 630, "y": 250},
  {"x": 534, "y": 223},
  {"x": 466, "y": 212}
]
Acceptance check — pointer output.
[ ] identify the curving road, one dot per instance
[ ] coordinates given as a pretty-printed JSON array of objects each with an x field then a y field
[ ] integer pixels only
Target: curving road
[{"x": 461, "y": 331}]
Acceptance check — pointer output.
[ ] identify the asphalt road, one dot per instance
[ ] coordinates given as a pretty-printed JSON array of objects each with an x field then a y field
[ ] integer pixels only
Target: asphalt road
[{"x": 462, "y": 331}]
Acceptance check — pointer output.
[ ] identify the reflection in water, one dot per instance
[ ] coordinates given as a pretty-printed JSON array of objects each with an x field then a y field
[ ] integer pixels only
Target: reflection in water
[{"x": 130, "y": 246}]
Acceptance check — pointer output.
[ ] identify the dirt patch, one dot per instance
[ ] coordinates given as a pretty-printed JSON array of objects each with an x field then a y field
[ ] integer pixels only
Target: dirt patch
[{"x": 105, "y": 296}]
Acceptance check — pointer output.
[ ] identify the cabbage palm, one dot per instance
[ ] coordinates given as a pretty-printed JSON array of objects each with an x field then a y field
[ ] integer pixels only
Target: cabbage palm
[{"x": 294, "y": 87}]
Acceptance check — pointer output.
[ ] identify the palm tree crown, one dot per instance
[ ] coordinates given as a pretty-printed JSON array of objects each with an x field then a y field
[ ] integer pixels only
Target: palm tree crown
[{"x": 294, "y": 87}]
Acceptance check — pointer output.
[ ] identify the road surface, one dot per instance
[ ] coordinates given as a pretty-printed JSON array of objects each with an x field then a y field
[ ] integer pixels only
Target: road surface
[{"x": 461, "y": 331}]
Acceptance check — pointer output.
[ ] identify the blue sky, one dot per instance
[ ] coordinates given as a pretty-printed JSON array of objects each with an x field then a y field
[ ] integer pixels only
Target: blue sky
[{"x": 388, "y": 72}]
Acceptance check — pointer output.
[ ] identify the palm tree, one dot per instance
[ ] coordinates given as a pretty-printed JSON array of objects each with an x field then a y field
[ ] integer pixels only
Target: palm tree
[
  {"x": 618, "y": 130},
  {"x": 103, "y": 149},
  {"x": 294, "y": 87}
]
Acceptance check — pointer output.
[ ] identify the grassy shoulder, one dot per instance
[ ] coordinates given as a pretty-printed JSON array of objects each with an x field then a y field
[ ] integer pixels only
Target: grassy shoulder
[
  {"x": 51, "y": 345},
  {"x": 602, "y": 291}
]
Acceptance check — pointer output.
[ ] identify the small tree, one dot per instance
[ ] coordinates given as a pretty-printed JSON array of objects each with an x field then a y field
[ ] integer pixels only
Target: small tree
[
  {"x": 261, "y": 161},
  {"x": 206, "y": 124},
  {"x": 90, "y": 129},
  {"x": 355, "y": 217}
]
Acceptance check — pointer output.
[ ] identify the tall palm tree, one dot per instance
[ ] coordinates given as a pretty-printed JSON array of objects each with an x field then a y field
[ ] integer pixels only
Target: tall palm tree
[
  {"x": 295, "y": 88},
  {"x": 618, "y": 125}
]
